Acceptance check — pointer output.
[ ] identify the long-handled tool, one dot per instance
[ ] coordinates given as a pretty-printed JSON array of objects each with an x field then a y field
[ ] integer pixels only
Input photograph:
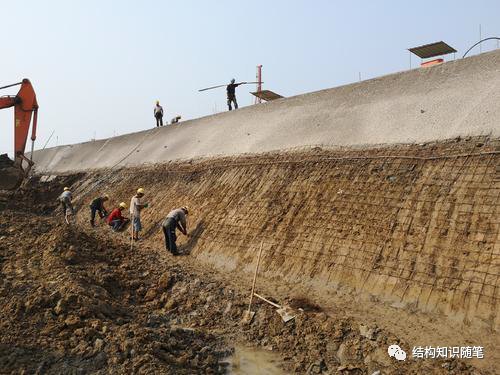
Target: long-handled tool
[
  {"x": 248, "y": 316},
  {"x": 216, "y": 87},
  {"x": 131, "y": 232},
  {"x": 285, "y": 312}
]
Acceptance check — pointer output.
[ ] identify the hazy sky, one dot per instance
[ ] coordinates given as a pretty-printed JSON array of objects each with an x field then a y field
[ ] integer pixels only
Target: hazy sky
[{"x": 98, "y": 66}]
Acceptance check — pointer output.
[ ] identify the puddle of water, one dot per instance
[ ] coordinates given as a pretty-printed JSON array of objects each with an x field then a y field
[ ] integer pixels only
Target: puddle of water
[{"x": 251, "y": 361}]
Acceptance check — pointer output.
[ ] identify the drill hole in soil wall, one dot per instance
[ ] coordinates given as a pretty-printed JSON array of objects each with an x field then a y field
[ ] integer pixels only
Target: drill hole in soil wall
[{"x": 304, "y": 304}]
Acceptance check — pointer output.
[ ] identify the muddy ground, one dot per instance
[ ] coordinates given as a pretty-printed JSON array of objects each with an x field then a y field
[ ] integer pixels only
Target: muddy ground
[{"x": 77, "y": 300}]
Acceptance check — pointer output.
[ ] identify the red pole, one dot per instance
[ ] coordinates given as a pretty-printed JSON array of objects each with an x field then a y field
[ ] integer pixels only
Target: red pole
[{"x": 259, "y": 83}]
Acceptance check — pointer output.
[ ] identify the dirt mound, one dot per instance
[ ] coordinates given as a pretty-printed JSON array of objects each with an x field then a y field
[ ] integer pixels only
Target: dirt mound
[{"x": 73, "y": 303}]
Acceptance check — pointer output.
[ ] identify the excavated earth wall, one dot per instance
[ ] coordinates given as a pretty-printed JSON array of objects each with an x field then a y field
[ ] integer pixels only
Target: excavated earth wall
[{"x": 415, "y": 225}]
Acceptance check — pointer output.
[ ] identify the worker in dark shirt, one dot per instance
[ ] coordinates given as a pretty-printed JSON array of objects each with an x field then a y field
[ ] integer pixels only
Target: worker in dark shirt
[
  {"x": 231, "y": 94},
  {"x": 175, "y": 219},
  {"x": 97, "y": 205}
]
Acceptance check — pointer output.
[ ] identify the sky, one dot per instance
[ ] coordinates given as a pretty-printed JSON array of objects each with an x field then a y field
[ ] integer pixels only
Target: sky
[{"x": 99, "y": 66}]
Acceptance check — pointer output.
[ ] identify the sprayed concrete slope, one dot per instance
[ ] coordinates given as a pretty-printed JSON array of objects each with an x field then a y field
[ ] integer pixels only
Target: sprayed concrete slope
[{"x": 454, "y": 99}]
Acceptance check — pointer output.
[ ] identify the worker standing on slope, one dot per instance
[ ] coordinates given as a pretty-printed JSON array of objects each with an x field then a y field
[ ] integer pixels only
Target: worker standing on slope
[
  {"x": 175, "y": 219},
  {"x": 136, "y": 207},
  {"x": 97, "y": 205},
  {"x": 65, "y": 199},
  {"x": 116, "y": 220},
  {"x": 231, "y": 94},
  {"x": 158, "y": 112}
]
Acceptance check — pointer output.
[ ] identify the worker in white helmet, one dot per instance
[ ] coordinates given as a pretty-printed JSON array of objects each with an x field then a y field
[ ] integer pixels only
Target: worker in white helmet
[
  {"x": 136, "y": 206},
  {"x": 176, "y": 219},
  {"x": 116, "y": 219},
  {"x": 158, "y": 112},
  {"x": 176, "y": 119},
  {"x": 66, "y": 204},
  {"x": 231, "y": 94}
]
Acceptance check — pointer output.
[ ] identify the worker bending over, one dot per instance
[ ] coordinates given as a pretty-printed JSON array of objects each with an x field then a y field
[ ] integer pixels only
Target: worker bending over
[
  {"x": 175, "y": 219},
  {"x": 97, "y": 205},
  {"x": 158, "y": 111},
  {"x": 231, "y": 94},
  {"x": 116, "y": 220},
  {"x": 136, "y": 206},
  {"x": 65, "y": 199}
]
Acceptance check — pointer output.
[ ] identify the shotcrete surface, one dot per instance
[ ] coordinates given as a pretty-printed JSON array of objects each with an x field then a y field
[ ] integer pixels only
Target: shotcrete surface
[{"x": 457, "y": 98}]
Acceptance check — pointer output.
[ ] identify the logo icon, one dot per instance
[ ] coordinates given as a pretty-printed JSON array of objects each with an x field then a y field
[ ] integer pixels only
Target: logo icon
[{"x": 397, "y": 352}]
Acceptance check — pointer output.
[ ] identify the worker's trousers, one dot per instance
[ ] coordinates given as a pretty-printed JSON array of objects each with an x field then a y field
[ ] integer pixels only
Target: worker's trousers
[
  {"x": 117, "y": 224},
  {"x": 232, "y": 100},
  {"x": 93, "y": 211},
  {"x": 169, "y": 232},
  {"x": 66, "y": 205},
  {"x": 159, "y": 120}
]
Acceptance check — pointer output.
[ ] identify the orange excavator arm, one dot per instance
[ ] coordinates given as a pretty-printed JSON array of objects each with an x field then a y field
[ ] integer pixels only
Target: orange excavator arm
[{"x": 25, "y": 106}]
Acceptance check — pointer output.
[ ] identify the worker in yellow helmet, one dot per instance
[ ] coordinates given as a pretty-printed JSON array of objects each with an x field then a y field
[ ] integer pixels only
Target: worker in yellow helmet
[
  {"x": 116, "y": 219},
  {"x": 136, "y": 206},
  {"x": 97, "y": 206},
  {"x": 158, "y": 112}
]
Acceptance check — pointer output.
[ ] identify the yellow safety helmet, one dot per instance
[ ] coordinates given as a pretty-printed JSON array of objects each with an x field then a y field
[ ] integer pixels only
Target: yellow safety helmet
[
  {"x": 106, "y": 196},
  {"x": 123, "y": 205},
  {"x": 157, "y": 102},
  {"x": 66, "y": 188},
  {"x": 140, "y": 191},
  {"x": 185, "y": 208}
]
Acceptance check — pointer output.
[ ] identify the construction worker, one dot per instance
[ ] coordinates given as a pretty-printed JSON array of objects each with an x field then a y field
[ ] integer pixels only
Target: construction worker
[
  {"x": 97, "y": 205},
  {"x": 175, "y": 219},
  {"x": 158, "y": 112},
  {"x": 65, "y": 199},
  {"x": 231, "y": 94},
  {"x": 175, "y": 120},
  {"x": 116, "y": 220},
  {"x": 136, "y": 207}
]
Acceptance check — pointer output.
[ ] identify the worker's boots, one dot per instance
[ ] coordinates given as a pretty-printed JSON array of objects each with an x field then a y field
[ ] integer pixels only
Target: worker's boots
[{"x": 92, "y": 224}]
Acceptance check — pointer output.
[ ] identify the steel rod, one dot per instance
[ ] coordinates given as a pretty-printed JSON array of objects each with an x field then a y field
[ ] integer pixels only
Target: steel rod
[
  {"x": 14, "y": 84},
  {"x": 215, "y": 87}
]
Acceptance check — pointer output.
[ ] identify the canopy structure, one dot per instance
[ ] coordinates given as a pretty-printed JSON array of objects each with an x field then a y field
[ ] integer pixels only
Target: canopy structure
[
  {"x": 267, "y": 95},
  {"x": 432, "y": 50}
]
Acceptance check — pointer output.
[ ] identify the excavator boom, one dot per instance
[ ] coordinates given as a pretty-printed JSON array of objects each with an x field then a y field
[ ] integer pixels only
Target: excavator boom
[{"x": 25, "y": 107}]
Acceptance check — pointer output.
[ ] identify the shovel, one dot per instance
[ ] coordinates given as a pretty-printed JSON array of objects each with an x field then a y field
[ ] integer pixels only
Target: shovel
[
  {"x": 284, "y": 311},
  {"x": 248, "y": 315}
]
